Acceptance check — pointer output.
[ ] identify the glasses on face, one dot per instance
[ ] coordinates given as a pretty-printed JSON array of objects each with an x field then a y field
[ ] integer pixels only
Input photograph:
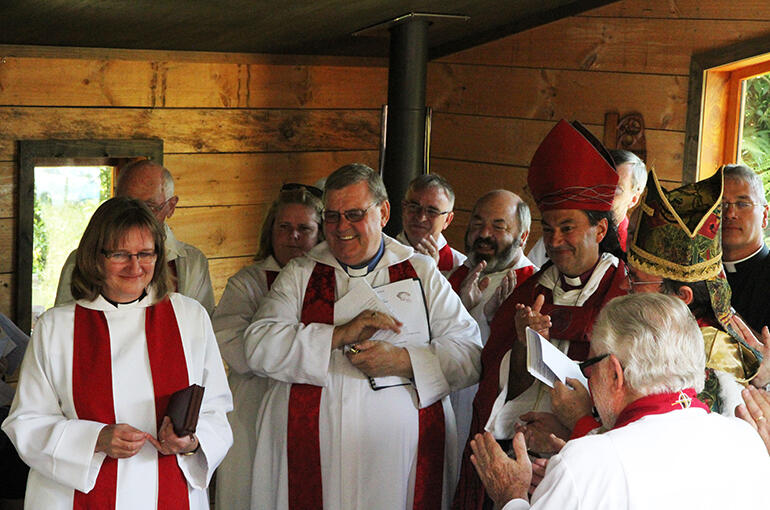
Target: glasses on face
[
  {"x": 741, "y": 205},
  {"x": 352, "y": 215},
  {"x": 155, "y": 208},
  {"x": 124, "y": 257},
  {"x": 415, "y": 209},
  {"x": 632, "y": 282},
  {"x": 292, "y": 186},
  {"x": 590, "y": 361}
]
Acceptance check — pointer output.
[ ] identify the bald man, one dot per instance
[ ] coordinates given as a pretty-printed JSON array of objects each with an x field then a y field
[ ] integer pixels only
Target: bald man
[{"x": 153, "y": 184}]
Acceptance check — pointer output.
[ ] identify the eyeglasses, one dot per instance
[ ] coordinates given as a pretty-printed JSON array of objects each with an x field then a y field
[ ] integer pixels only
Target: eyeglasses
[
  {"x": 741, "y": 205},
  {"x": 632, "y": 282},
  {"x": 590, "y": 361},
  {"x": 415, "y": 209},
  {"x": 124, "y": 257},
  {"x": 352, "y": 215},
  {"x": 155, "y": 208},
  {"x": 293, "y": 186}
]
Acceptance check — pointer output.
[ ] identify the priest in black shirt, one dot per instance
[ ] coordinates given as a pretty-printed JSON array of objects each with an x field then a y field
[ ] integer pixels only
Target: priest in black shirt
[{"x": 745, "y": 256}]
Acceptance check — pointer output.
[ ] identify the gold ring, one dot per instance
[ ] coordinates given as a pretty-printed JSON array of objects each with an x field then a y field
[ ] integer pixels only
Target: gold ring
[
  {"x": 354, "y": 350},
  {"x": 761, "y": 417}
]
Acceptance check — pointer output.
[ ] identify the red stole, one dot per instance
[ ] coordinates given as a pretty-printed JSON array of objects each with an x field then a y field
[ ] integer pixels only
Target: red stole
[
  {"x": 457, "y": 277},
  {"x": 91, "y": 388},
  {"x": 446, "y": 259},
  {"x": 571, "y": 323},
  {"x": 302, "y": 441},
  {"x": 658, "y": 404}
]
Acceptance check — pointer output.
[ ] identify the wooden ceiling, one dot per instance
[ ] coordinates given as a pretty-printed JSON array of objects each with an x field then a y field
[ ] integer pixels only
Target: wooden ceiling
[{"x": 295, "y": 27}]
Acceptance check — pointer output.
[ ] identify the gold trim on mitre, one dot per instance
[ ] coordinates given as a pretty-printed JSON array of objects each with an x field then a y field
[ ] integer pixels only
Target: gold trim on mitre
[{"x": 652, "y": 264}]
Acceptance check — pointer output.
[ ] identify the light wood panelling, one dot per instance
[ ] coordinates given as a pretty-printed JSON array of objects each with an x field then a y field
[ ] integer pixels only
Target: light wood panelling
[
  {"x": 199, "y": 130},
  {"x": 552, "y": 94},
  {"x": 222, "y": 269},
  {"x": 692, "y": 9},
  {"x": 6, "y": 294},
  {"x": 8, "y": 242},
  {"x": 8, "y": 193},
  {"x": 634, "y": 45},
  {"x": 79, "y": 82},
  {"x": 225, "y": 231},
  {"x": 233, "y": 179},
  {"x": 471, "y": 180},
  {"x": 514, "y": 141}
]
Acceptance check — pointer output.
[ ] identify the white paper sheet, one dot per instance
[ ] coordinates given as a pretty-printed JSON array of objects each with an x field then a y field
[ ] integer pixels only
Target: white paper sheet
[{"x": 547, "y": 363}]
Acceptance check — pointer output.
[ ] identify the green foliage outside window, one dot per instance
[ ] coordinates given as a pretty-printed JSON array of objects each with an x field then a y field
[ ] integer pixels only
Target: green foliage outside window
[{"x": 755, "y": 139}]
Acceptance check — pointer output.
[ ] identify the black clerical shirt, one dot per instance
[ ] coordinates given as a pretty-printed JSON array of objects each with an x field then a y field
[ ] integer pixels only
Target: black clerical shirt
[{"x": 750, "y": 283}]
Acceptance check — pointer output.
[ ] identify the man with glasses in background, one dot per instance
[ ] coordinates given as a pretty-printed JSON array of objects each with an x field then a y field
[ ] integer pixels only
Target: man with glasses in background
[
  {"x": 662, "y": 444},
  {"x": 426, "y": 213},
  {"x": 153, "y": 184},
  {"x": 746, "y": 257},
  {"x": 330, "y": 436}
]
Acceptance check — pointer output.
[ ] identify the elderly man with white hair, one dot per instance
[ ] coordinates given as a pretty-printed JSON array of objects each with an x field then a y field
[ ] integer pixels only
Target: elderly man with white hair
[{"x": 646, "y": 366}]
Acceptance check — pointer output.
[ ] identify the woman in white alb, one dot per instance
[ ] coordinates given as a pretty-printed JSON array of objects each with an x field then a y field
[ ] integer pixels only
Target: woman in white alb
[
  {"x": 88, "y": 417},
  {"x": 291, "y": 228}
]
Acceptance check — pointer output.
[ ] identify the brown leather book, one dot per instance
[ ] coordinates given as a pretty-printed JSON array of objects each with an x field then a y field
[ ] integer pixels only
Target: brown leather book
[{"x": 184, "y": 406}]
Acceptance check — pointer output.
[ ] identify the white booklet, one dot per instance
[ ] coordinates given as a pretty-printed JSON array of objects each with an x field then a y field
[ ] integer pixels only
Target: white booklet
[
  {"x": 403, "y": 300},
  {"x": 547, "y": 363}
]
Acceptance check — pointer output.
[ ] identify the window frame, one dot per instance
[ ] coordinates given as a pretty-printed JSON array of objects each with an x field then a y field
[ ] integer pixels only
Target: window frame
[
  {"x": 714, "y": 104},
  {"x": 32, "y": 153}
]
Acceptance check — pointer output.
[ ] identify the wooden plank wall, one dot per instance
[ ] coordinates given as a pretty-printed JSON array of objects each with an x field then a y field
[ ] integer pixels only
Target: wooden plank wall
[
  {"x": 235, "y": 128},
  {"x": 494, "y": 103}
]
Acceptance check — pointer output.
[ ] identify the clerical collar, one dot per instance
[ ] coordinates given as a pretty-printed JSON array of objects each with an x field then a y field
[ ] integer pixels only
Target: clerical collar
[
  {"x": 570, "y": 282},
  {"x": 730, "y": 266},
  {"x": 116, "y": 303},
  {"x": 364, "y": 269}
]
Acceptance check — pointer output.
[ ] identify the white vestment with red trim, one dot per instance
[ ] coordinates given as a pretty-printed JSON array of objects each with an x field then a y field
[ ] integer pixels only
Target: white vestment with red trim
[
  {"x": 368, "y": 439},
  {"x": 59, "y": 447}
]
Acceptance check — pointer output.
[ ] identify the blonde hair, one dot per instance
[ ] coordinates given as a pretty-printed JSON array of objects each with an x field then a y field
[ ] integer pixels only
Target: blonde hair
[{"x": 294, "y": 196}]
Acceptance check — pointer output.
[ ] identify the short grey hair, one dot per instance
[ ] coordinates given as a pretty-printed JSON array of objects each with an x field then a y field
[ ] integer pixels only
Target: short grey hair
[
  {"x": 426, "y": 181},
  {"x": 744, "y": 173},
  {"x": 656, "y": 339},
  {"x": 354, "y": 173},
  {"x": 638, "y": 168},
  {"x": 523, "y": 216}
]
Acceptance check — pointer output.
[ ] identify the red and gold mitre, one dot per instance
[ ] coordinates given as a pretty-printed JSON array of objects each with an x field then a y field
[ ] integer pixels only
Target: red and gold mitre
[{"x": 572, "y": 170}]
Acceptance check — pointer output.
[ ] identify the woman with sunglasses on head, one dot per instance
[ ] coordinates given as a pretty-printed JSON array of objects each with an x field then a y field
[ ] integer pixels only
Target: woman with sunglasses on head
[
  {"x": 291, "y": 228},
  {"x": 89, "y": 413}
]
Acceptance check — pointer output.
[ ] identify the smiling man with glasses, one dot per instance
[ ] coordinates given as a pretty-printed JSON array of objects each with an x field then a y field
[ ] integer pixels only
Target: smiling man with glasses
[
  {"x": 661, "y": 444},
  {"x": 153, "y": 184},
  {"x": 426, "y": 213},
  {"x": 343, "y": 444}
]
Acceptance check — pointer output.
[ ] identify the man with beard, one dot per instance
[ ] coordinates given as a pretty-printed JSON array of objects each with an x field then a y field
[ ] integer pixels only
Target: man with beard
[
  {"x": 646, "y": 366},
  {"x": 573, "y": 181},
  {"x": 426, "y": 213},
  {"x": 496, "y": 264}
]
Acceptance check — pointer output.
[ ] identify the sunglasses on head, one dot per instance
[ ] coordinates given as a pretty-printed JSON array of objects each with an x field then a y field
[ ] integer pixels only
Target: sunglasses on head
[{"x": 293, "y": 186}]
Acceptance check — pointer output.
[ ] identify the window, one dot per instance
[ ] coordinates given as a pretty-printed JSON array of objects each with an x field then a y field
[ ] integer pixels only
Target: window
[{"x": 34, "y": 155}]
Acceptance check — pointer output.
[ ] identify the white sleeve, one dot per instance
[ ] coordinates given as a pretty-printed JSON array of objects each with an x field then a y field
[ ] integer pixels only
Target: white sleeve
[
  {"x": 453, "y": 359},
  {"x": 200, "y": 288},
  {"x": 278, "y": 345},
  {"x": 231, "y": 318},
  {"x": 58, "y": 447},
  {"x": 213, "y": 430},
  {"x": 557, "y": 490}
]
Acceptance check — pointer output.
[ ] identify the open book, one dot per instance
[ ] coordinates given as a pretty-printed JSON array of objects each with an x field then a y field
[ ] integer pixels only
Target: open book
[{"x": 547, "y": 363}]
